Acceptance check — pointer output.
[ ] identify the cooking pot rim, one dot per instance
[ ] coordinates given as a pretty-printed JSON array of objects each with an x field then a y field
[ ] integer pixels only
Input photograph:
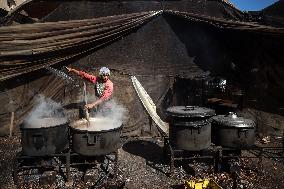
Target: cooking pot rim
[
  {"x": 223, "y": 126},
  {"x": 189, "y": 116},
  {"x": 191, "y": 124},
  {"x": 189, "y": 112},
  {"x": 102, "y": 131},
  {"x": 231, "y": 123},
  {"x": 22, "y": 127}
]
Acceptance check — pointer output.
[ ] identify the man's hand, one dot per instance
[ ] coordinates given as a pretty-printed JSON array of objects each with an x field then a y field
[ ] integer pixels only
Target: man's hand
[
  {"x": 72, "y": 70},
  {"x": 94, "y": 104},
  {"x": 69, "y": 69},
  {"x": 89, "y": 106}
]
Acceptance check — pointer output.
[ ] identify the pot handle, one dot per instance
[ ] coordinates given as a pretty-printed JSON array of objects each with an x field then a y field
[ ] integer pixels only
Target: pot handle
[
  {"x": 194, "y": 129},
  {"x": 38, "y": 138},
  {"x": 187, "y": 108},
  {"x": 240, "y": 131},
  {"x": 92, "y": 140}
]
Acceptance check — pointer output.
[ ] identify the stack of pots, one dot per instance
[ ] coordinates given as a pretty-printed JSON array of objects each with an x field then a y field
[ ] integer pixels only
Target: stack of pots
[
  {"x": 233, "y": 131},
  {"x": 190, "y": 127}
]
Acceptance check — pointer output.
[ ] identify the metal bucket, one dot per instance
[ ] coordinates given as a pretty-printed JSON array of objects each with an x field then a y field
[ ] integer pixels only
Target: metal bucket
[{"x": 47, "y": 140}]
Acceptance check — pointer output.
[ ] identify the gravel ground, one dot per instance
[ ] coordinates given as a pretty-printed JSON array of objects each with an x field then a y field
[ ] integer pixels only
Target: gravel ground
[
  {"x": 9, "y": 147},
  {"x": 141, "y": 165}
]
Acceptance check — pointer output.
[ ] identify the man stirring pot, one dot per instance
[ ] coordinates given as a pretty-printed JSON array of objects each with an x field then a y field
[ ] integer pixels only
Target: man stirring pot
[{"x": 103, "y": 88}]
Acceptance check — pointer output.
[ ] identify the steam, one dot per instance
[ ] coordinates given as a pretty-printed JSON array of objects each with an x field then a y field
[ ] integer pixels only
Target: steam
[
  {"x": 111, "y": 116},
  {"x": 114, "y": 111},
  {"x": 45, "y": 113}
]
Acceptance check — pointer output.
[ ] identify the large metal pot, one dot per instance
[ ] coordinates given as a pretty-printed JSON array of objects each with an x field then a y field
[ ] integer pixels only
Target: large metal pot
[
  {"x": 94, "y": 143},
  {"x": 45, "y": 137},
  {"x": 233, "y": 131},
  {"x": 190, "y": 128}
]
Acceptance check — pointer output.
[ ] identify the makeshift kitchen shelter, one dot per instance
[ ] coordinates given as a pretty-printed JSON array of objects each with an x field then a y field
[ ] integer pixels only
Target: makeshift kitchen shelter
[{"x": 160, "y": 42}]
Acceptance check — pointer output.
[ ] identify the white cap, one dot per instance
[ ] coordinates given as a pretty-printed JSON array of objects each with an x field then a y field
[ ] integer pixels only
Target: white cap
[{"x": 104, "y": 71}]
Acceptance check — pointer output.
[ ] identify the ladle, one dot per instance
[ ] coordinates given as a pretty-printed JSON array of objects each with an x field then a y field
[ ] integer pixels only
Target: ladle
[{"x": 86, "y": 102}]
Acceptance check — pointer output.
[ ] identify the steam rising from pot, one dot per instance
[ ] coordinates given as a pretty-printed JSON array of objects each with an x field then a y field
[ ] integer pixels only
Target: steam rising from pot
[
  {"x": 45, "y": 113},
  {"x": 100, "y": 121}
]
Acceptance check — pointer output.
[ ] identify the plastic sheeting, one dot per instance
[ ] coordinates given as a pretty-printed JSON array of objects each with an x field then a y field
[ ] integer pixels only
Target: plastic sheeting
[{"x": 150, "y": 106}]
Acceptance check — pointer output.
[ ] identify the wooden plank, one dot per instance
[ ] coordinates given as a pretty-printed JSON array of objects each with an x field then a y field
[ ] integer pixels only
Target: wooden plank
[{"x": 12, "y": 123}]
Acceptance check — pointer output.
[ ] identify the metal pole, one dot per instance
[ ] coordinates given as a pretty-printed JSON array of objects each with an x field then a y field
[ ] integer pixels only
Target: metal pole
[
  {"x": 12, "y": 123},
  {"x": 172, "y": 160},
  {"x": 115, "y": 171},
  {"x": 283, "y": 142},
  {"x": 162, "y": 5},
  {"x": 68, "y": 166}
]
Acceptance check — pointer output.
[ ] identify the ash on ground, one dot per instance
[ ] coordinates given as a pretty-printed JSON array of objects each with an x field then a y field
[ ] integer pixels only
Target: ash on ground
[{"x": 141, "y": 165}]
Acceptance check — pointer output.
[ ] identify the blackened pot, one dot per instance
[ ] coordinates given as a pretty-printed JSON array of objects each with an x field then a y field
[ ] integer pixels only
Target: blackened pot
[
  {"x": 233, "y": 131},
  {"x": 189, "y": 127},
  {"x": 47, "y": 140},
  {"x": 95, "y": 143}
]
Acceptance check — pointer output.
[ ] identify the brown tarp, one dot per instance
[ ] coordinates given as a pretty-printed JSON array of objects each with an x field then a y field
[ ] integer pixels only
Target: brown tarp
[
  {"x": 274, "y": 14},
  {"x": 21, "y": 99},
  {"x": 34, "y": 46},
  {"x": 26, "y": 48},
  {"x": 227, "y": 24}
]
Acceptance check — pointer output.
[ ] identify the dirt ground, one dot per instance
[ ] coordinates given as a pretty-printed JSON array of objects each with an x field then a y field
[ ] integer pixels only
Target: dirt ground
[{"x": 141, "y": 165}]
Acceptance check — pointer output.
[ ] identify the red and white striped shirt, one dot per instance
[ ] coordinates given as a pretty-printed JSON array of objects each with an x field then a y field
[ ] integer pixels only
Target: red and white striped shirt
[{"x": 108, "y": 89}]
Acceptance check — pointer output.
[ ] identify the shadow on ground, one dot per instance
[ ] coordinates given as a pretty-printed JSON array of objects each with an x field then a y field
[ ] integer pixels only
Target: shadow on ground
[{"x": 148, "y": 150}]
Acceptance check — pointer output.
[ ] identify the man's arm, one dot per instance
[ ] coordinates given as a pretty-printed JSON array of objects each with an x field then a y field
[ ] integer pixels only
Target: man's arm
[
  {"x": 105, "y": 96},
  {"x": 85, "y": 75},
  {"x": 94, "y": 104}
]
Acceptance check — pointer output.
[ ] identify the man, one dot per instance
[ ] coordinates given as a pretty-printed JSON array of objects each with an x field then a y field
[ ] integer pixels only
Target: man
[{"x": 103, "y": 85}]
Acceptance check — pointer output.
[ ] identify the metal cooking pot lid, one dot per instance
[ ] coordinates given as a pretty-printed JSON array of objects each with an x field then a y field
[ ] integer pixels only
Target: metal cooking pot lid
[
  {"x": 190, "y": 111},
  {"x": 232, "y": 120}
]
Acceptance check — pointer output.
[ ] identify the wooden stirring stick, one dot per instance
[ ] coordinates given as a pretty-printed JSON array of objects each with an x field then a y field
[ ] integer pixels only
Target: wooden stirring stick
[{"x": 87, "y": 117}]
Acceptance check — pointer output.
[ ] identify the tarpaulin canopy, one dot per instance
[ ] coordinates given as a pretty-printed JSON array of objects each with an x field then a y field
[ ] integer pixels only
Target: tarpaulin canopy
[
  {"x": 189, "y": 39},
  {"x": 229, "y": 24},
  {"x": 29, "y": 47},
  {"x": 26, "y": 48}
]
